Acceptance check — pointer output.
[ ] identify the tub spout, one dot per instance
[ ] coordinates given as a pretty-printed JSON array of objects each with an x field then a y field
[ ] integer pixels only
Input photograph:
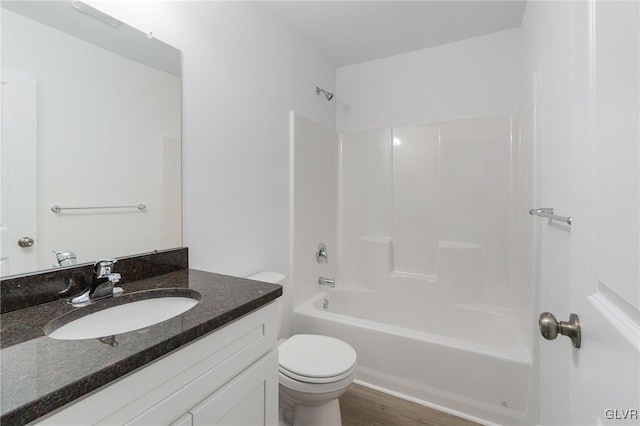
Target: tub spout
[{"x": 327, "y": 281}]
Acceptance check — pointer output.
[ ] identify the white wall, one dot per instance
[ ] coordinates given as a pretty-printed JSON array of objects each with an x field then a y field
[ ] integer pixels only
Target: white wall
[
  {"x": 314, "y": 204},
  {"x": 90, "y": 153},
  {"x": 243, "y": 71},
  {"x": 470, "y": 78}
]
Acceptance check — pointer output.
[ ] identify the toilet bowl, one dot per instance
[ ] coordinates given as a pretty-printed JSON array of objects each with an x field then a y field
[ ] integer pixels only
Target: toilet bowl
[{"x": 314, "y": 371}]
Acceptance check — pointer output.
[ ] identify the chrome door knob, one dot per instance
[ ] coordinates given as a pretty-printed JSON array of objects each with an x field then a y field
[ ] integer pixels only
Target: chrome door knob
[
  {"x": 26, "y": 242},
  {"x": 550, "y": 327}
]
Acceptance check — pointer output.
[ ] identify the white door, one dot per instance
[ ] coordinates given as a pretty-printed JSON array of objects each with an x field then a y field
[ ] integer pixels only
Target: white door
[
  {"x": 602, "y": 377},
  {"x": 18, "y": 176},
  {"x": 605, "y": 284}
]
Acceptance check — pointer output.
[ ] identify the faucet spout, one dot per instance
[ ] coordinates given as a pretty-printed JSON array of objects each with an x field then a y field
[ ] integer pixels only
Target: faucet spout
[{"x": 329, "y": 282}]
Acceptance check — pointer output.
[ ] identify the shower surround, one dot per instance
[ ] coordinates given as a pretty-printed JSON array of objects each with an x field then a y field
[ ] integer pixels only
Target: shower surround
[
  {"x": 429, "y": 203},
  {"x": 425, "y": 293},
  {"x": 427, "y": 227}
]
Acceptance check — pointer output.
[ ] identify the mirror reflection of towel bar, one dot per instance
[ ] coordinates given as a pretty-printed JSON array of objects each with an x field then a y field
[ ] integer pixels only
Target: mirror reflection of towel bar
[
  {"x": 57, "y": 208},
  {"x": 549, "y": 213}
]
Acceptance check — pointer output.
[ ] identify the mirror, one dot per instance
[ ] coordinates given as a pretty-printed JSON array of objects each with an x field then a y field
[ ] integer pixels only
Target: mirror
[{"x": 90, "y": 123}]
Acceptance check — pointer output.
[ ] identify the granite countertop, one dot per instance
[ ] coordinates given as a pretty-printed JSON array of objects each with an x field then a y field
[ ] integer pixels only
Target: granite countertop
[{"x": 40, "y": 374}]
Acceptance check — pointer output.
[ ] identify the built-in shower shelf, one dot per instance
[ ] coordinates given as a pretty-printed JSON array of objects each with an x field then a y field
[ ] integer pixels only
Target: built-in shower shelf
[{"x": 432, "y": 278}]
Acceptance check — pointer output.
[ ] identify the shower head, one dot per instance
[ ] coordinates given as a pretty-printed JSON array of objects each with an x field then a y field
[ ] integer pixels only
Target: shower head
[{"x": 326, "y": 94}]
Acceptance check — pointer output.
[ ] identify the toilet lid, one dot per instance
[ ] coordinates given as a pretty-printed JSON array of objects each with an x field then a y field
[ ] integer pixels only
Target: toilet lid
[{"x": 313, "y": 356}]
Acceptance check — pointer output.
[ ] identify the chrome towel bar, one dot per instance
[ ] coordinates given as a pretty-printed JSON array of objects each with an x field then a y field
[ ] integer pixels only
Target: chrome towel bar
[
  {"x": 57, "y": 208},
  {"x": 549, "y": 212}
]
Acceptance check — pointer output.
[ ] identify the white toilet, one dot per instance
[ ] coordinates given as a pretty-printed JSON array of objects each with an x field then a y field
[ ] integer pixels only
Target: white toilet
[{"x": 314, "y": 372}]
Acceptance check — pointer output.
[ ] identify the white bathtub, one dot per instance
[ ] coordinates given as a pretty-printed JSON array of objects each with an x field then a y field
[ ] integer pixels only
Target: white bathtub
[{"x": 467, "y": 360}]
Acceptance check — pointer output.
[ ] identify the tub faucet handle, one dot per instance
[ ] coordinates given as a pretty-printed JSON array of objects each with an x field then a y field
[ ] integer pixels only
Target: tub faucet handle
[{"x": 321, "y": 254}]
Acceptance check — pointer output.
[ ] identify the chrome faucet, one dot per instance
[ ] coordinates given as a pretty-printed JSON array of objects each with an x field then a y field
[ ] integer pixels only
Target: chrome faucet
[
  {"x": 64, "y": 258},
  {"x": 327, "y": 281},
  {"x": 321, "y": 254},
  {"x": 101, "y": 284}
]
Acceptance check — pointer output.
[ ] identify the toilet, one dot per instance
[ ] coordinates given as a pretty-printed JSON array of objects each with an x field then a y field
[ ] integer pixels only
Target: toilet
[{"x": 314, "y": 371}]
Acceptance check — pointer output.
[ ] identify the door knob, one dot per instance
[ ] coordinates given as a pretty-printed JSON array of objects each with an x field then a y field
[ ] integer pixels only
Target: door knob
[
  {"x": 26, "y": 242},
  {"x": 550, "y": 327}
]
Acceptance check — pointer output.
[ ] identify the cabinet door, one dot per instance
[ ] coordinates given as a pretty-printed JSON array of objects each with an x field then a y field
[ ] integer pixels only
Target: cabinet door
[{"x": 250, "y": 399}]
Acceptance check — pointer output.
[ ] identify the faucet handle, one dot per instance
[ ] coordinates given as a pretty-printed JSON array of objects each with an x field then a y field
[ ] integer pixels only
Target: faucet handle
[
  {"x": 321, "y": 254},
  {"x": 103, "y": 267}
]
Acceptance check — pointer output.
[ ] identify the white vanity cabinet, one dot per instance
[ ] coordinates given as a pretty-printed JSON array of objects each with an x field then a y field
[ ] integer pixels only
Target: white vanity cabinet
[
  {"x": 227, "y": 377},
  {"x": 242, "y": 401}
]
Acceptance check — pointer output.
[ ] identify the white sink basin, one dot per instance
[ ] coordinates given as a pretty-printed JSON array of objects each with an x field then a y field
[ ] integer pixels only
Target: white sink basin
[{"x": 122, "y": 318}]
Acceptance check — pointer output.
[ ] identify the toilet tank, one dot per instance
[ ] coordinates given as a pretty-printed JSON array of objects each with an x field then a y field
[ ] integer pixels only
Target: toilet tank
[{"x": 268, "y": 277}]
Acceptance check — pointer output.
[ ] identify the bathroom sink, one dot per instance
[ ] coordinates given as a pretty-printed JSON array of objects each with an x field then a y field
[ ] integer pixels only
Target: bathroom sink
[{"x": 122, "y": 314}]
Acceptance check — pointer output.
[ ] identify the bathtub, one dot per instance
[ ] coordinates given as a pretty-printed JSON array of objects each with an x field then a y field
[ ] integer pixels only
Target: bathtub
[{"x": 467, "y": 360}]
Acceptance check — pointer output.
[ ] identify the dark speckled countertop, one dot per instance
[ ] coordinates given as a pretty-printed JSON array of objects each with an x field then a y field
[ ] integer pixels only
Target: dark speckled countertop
[{"x": 40, "y": 374}]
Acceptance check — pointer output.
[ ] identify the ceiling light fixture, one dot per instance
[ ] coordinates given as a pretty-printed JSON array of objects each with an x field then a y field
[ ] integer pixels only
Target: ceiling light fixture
[{"x": 96, "y": 14}]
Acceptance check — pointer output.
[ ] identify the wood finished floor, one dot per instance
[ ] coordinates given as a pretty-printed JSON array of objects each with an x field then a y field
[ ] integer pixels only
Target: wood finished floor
[{"x": 361, "y": 406}]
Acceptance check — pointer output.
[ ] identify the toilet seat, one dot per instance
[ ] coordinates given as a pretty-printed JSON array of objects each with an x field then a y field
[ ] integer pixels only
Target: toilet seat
[
  {"x": 317, "y": 359},
  {"x": 316, "y": 388},
  {"x": 316, "y": 380}
]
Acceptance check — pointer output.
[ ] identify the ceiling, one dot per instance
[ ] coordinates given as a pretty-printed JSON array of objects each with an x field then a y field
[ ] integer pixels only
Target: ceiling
[
  {"x": 122, "y": 40},
  {"x": 349, "y": 32}
]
